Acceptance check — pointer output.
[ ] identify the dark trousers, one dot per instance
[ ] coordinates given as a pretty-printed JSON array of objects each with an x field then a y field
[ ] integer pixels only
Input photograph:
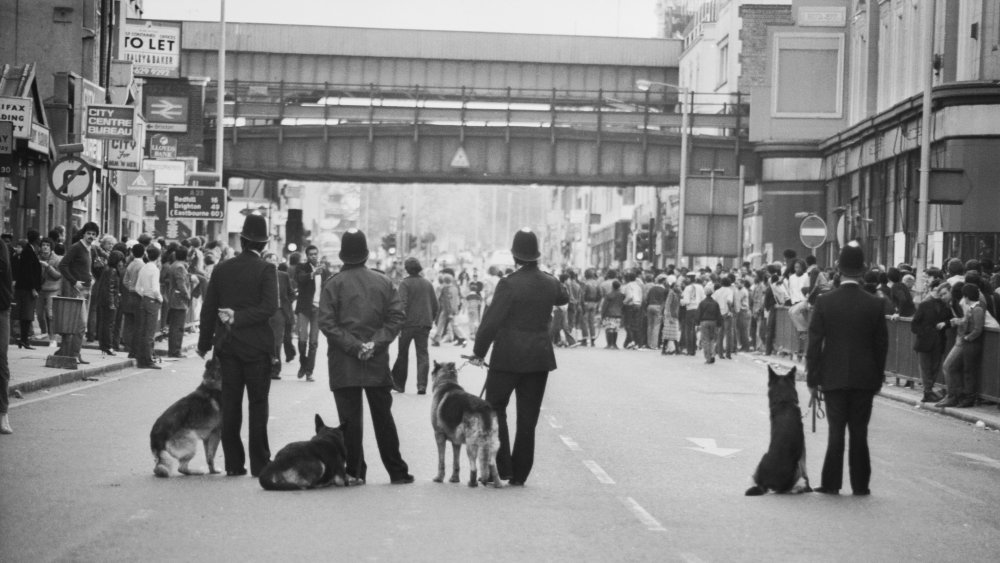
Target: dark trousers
[
  {"x": 4, "y": 367},
  {"x": 255, "y": 376},
  {"x": 352, "y": 413},
  {"x": 147, "y": 323},
  {"x": 770, "y": 331},
  {"x": 930, "y": 368},
  {"x": 633, "y": 326},
  {"x": 107, "y": 330},
  {"x": 848, "y": 410},
  {"x": 962, "y": 368},
  {"x": 689, "y": 336},
  {"x": 130, "y": 311},
  {"x": 175, "y": 330},
  {"x": 419, "y": 336},
  {"x": 529, "y": 389},
  {"x": 289, "y": 331}
]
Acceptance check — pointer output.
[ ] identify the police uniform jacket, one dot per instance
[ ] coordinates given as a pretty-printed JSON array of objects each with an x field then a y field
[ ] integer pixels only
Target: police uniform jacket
[
  {"x": 516, "y": 324},
  {"x": 248, "y": 285},
  {"x": 848, "y": 340},
  {"x": 356, "y": 306}
]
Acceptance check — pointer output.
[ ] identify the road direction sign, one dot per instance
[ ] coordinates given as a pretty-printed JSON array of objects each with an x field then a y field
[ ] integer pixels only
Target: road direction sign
[
  {"x": 71, "y": 178},
  {"x": 196, "y": 203},
  {"x": 812, "y": 232}
]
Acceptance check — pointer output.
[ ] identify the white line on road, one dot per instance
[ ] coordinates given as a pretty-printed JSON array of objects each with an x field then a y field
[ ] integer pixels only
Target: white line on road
[
  {"x": 601, "y": 475},
  {"x": 552, "y": 421},
  {"x": 570, "y": 443},
  {"x": 981, "y": 459},
  {"x": 691, "y": 558},
  {"x": 947, "y": 489},
  {"x": 652, "y": 524}
]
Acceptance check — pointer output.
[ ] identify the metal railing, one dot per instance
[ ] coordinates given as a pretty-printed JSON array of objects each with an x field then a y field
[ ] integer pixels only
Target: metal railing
[{"x": 902, "y": 362}]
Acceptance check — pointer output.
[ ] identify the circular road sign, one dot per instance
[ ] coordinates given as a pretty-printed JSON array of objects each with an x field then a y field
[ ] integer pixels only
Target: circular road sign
[
  {"x": 71, "y": 178},
  {"x": 812, "y": 232}
]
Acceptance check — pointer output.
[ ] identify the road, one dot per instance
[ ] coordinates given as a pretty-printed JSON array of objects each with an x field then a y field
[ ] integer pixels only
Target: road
[{"x": 626, "y": 470}]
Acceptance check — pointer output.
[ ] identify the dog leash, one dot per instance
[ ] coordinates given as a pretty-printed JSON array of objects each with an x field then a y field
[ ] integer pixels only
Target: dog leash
[
  {"x": 486, "y": 365},
  {"x": 816, "y": 406}
]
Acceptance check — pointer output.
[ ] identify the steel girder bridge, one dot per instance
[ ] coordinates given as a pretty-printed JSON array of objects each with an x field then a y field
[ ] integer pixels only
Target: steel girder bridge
[{"x": 368, "y": 133}]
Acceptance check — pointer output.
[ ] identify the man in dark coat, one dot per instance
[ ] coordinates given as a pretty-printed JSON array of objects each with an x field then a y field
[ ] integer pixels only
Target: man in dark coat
[
  {"x": 178, "y": 299},
  {"x": 6, "y": 299},
  {"x": 421, "y": 307},
  {"x": 928, "y": 326},
  {"x": 361, "y": 314},
  {"x": 848, "y": 344},
  {"x": 240, "y": 300},
  {"x": 516, "y": 324},
  {"x": 27, "y": 284},
  {"x": 77, "y": 279}
]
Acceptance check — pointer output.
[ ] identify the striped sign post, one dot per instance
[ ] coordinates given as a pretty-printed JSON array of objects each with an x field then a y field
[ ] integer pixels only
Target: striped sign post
[{"x": 812, "y": 232}]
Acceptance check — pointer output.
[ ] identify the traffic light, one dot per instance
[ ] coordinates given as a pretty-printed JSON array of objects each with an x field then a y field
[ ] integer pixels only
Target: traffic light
[
  {"x": 621, "y": 240},
  {"x": 389, "y": 243},
  {"x": 642, "y": 245},
  {"x": 294, "y": 233}
]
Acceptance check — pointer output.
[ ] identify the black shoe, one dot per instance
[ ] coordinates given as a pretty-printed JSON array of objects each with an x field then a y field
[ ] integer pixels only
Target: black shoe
[
  {"x": 930, "y": 397},
  {"x": 966, "y": 403},
  {"x": 404, "y": 480},
  {"x": 421, "y": 391},
  {"x": 81, "y": 361},
  {"x": 236, "y": 472},
  {"x": 946, "y": 402},
  {"x": 148, "y": 366},
  {"x": 398, "y": 389},
  {"x": 862, "y": 492},
  {"x": 275, "y": 376},
  {"x": 515, "y": 483},
  {"x": 109, "y": 352},
  {"x": 302, "y": 373},
  {"x": 826, "y": 491}
]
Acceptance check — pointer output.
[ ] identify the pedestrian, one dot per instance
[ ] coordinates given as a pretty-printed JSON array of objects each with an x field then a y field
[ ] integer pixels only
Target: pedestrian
[
  {"x": 50, "y": 285},
  {"x": 848, "y": 345},
  {"x": 77, "y": 278},
  {"x": 449, "y": 303},
  {"x": 241, "y": 298},
  {"x": 99, "y": 253},
  {"x": 6, "y": 300},
  {"x": 131, "y": 301},
  {"x": 691, "y": 298},
  {"x": 708, "y": 317},
  {"x": 591, "y": 300},
  {"x": 421, "y": 307},
  {"x": 632, "y": 290},
  {"x": 27, "y": 285},
  {"x": 516, "y": 328},
  {"x": 931, "y": 319},
  {"x": 612, "y": 306},
  {"x": 474, "y": 304},
  {"x": 671, "y": 319},
  {"x": 653, "y": 302},
  {"x": 966, "y": 356},
  {"x": 279, "y": 321},
  {"x": 360, "y": 315},
  {"x": 108, "y": 300},
  {"x": 725, "y": 296},
  {"x": 147, "y": 288},
  {"x": 178, "y": 298},
  {"x": 309, "y": 278}
]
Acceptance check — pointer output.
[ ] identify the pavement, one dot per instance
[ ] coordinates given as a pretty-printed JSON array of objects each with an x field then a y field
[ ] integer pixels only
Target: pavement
[{"x": 28, "y": 372}]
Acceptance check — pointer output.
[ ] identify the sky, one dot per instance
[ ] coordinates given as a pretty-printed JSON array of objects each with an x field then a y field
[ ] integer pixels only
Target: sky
[{"x": 613, "y": 18}]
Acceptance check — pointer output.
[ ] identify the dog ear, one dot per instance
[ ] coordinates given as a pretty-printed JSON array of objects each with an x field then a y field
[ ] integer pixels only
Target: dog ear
[
  {"x": 436, "y": 365},
  {"x": 772, "y": 377},
  {"x": 319, "y": 423},
  {"x": 791, "y": 375}
]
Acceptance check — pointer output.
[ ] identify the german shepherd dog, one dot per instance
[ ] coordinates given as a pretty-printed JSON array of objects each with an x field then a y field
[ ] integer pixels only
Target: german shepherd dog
[
  {"x": 463, "y": 418},
  {"x": 783, "y": 467},
  {"x": 318, "y": 462},
  {"x": 194, "y": 419}
]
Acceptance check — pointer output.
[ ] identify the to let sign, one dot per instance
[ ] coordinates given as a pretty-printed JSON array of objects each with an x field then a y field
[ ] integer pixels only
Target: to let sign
[
  {"x": 18, "y": 112},
  {"x": 196, "y": 203},
  {"x": 154, "y": 48},
  {"x": 110, "y": 122}
]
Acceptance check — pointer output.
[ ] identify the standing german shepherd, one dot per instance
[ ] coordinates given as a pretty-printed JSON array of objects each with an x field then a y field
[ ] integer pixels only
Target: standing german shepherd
[
  {"x": 319, "y": 462},
  {"x": 192, "y": 419},
  {"x": 783, "y": 467},
  {"x": 463, "y": 418}
]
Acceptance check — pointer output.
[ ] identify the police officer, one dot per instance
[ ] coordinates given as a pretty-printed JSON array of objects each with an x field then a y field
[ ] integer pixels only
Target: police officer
[
  {"x": 516, "y": 325},
  {"x": 240, "y": 300}
]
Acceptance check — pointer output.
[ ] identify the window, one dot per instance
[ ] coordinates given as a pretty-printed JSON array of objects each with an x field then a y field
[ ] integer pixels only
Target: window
[
  {"x": 808, "y": 74},
  {"x": 723, "y": 62}
]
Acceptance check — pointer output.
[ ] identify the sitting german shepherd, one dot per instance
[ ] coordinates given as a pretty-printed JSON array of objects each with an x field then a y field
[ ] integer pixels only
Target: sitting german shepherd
[
  {"x": 319, "y": 462},
  {"x": 783, "y": 467},
  {"x": 463, "y": 418},
  {"x": 192, "y": 419}
]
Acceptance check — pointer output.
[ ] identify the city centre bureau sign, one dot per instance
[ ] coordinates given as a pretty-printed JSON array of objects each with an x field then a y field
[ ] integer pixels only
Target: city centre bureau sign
[{"x": 196, "y": 203}]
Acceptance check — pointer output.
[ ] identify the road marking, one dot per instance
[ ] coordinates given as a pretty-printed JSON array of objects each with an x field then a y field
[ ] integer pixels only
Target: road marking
[
  {"x": 691, "y": 558},
  {"x": 553, "y": 422},
  {"x": 981, "y": 459},
  {"x": 141, "y": 514},
  {"x": 652, "y": 524},
  {"x": 708, "y": 446},
  {"x": 570, "y": 443},
  {"x": 947, "y": 489},
  {"x": 601, "y": 475},
  {"x": 75, "y": 390}
]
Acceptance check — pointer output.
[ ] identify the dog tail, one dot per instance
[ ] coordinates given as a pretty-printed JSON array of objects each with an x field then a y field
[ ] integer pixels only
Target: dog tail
[{"x": 279, "y": 478}]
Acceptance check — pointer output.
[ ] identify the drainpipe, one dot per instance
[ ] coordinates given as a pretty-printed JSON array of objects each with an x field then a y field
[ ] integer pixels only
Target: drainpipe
[{"x": 920, "y": 262}]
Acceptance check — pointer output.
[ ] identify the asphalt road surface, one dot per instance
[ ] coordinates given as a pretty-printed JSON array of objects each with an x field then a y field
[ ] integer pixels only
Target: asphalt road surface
[{"x": 639, "y": 458}]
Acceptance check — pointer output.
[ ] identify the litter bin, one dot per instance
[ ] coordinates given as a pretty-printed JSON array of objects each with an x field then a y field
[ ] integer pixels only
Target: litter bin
[{"x": 67, "y": 315}]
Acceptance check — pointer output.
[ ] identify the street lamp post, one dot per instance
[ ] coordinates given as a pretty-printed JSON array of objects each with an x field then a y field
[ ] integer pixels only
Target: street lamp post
[{"x": 685, "y": 93}]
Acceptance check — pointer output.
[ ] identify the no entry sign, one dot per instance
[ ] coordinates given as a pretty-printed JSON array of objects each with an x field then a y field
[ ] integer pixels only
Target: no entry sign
[{"x": 812, "y": 232}]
